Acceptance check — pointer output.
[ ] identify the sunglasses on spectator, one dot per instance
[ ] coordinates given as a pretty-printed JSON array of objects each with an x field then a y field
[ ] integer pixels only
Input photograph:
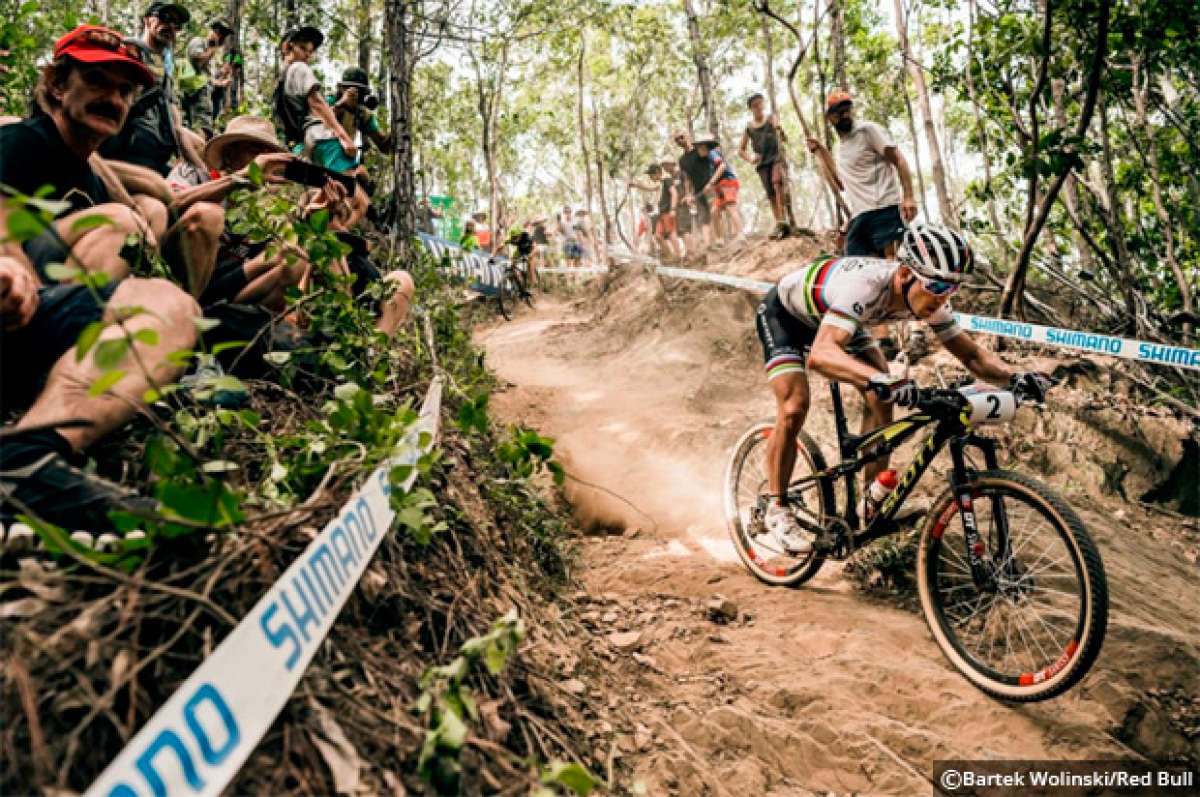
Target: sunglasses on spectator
[{"x": 107, "y": 40}]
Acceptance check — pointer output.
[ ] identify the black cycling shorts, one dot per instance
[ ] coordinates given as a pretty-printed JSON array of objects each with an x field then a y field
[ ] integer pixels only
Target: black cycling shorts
[
  {"x": 787, "y": 341},
  {"x": 27, "y": 354}
]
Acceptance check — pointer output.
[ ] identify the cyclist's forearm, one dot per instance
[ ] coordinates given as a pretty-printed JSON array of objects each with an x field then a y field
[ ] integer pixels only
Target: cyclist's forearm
[
  {"x": 979, "y": 361},
  {"x": 833, "y": 362}
]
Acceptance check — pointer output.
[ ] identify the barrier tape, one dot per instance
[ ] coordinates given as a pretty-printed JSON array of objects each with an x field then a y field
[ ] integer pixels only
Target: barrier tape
[
  {"x": 196, "y": 743},
  {"x": 1126, "y": 348}
]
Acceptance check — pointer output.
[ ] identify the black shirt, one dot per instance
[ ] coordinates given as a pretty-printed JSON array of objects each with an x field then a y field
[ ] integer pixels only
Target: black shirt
[
  {"x": 765, "y": 140},
  {"x": 664, "y": 198},
  {"x": 33, "y": 154},
  {"x": 697, "y": 169}
]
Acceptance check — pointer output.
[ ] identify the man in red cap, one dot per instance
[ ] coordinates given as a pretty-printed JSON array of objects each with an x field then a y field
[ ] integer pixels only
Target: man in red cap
[
  {"x": 868, "y": 165},
  {"x": 85, "y": 94}
]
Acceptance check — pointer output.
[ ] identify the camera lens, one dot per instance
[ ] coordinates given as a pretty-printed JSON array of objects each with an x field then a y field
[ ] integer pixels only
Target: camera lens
[{"x": 370, "y": 102}]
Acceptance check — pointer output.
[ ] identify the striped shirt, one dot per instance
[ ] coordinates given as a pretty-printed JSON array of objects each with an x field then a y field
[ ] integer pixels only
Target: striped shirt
[{"x": 851, "y": 293}]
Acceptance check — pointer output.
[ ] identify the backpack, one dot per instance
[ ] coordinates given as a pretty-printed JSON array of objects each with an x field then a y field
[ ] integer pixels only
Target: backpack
[{"x": 293, "y": 128}]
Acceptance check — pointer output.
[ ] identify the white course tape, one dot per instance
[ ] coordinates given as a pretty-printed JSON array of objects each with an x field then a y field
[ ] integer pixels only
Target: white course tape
[
  {"x": 196, "y": 743},
  {"x": 746, "y": 284},
  {"x": 1140, "y": 350},
  {"x": 581, "y": 270},
  {"x": 1127, "y": 348}
]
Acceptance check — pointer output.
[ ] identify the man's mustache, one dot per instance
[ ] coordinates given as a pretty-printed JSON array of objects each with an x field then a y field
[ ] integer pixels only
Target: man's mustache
[{"x": 105, "y": 109}]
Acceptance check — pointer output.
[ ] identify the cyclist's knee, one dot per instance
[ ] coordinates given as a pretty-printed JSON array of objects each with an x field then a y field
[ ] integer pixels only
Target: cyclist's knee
[{"x": 793, "y": 411}]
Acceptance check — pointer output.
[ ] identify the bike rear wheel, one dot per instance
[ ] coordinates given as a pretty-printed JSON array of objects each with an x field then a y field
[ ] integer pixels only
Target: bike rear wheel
[
  {"x": 505, "y": 296},
  {"x": 1037, "y": 628},
  {"x": 745, "y": 489}
]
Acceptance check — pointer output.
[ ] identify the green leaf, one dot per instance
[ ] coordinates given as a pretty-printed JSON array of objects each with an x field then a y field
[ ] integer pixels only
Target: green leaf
[
  {"x": 85, "y": 223},
  {"x": 180, "y": 357},
  {"x": 109, "y": 353},
  {"x": 151, "y": 395},
  {"x": 106, "y": 381},
  {"x": 255, "y": 173},
  {"x": 213, "y": 503},
  {"x": 62, "y": 273},
  {"x": 228, "y": 346},
  {"x": 219, "y": 466},
  {"x": 452, "y": 732},
  {"x": 87, "y": 339},
  {"x": 147, "y": 336},
  {"x": 557, "y": 471},
  {"x": 206, "y": 324},
  {"x": 23, "y": 226},
  {"x": 95, "y": 280},
  {"x": 495, "y": 657},
  {"x": 572, "y": 776},
  {"x": 278, "y": 357}
]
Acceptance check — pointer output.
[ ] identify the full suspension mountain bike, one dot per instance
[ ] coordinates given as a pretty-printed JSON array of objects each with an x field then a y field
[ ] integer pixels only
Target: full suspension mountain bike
[{"x": 1010, "y": 582}]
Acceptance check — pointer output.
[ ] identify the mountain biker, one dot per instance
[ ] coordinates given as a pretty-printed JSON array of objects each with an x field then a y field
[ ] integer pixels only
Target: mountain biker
[
  {"x": 817, "y": 317},
  {"x": 521, "y": 241}
]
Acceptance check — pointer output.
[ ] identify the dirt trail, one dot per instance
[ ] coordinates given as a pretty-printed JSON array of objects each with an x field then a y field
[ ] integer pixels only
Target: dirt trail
[{"x": 812, "y": 690}]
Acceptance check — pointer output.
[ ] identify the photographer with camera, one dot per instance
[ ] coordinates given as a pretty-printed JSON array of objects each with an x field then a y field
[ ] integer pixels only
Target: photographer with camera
[{"x": 354, "y": 108}]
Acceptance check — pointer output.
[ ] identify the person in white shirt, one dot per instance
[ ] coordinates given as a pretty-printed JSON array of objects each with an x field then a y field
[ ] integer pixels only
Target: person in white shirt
[{"x": 873, "y": 174}]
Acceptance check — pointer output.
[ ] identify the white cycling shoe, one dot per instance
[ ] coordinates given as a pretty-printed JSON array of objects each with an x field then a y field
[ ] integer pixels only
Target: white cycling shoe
[{"x": 783, "y": 526}]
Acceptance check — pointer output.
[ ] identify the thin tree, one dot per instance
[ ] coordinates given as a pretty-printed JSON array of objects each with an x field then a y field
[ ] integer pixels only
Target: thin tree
[
  {"x": 1014, "y": 288},
  {"x": 945, "y": 206},
  {"x": 700, "y": 57}
]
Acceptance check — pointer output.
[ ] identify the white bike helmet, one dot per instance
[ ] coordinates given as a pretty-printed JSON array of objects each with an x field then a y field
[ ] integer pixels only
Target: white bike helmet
[{"x": 936, "y": 253}]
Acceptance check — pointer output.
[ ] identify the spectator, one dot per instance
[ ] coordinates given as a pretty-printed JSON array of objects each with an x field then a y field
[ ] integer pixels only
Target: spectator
[
  {"x": 85, "y": 93},
  {"x": 867, "y": 168},
  {"x": 244, "y": 273},
  {"x": 668, "y": 198},
  {"x": 585, "y": 235},
  {"x": 643, "y": 240},
  {"x": 86, "y": 90},
  {"x": 483, "y": 233},
  {"x": 696, "y": 173},
  {"x": 299, "y": 104},
  {"x": 353, "y": 105},
  {"x": 572, "y": 252},
  {"x": 685, "y": 232},
  {"x": 469, "y": 242},
  {"x": 426, "y": 213},
  {"x": 723, "y": 185},
  {"x": 541, "y": 241},
  {"x": 767, "y": 138},
  {"x": 197, "y": 97},
  {"x": 154, "y": 133}
]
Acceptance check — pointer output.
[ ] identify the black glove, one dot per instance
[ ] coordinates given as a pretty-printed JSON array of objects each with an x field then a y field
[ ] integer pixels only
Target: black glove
[
  {"x": 902, "y": 392},
  {"x": 1030, "y": 386}
]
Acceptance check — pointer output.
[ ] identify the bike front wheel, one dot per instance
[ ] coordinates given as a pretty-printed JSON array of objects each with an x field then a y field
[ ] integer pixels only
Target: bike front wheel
[
  {"x": 1028, "y": 623},
  {"x": 745, "y": 499}
]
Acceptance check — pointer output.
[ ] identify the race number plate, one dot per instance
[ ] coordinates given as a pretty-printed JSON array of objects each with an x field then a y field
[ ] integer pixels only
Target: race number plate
[{"x": 991, "y": 406}]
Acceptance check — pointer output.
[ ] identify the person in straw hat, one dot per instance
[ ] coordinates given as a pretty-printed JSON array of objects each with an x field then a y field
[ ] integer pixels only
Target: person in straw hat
[{"x": 244, "y": 273}]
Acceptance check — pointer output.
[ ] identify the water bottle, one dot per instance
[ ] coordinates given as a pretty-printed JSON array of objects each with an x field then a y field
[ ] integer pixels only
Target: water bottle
[{"x": 878, "y": 491}]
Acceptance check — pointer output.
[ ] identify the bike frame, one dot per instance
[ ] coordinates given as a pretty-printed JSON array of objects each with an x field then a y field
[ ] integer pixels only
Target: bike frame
[{"x": 857, "y": 451}]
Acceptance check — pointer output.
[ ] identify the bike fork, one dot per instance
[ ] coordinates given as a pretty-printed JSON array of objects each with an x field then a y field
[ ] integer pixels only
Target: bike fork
[{"x": 981, "y": 574}]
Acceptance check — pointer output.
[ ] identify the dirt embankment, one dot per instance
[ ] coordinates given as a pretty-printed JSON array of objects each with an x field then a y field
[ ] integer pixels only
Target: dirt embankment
[{"x": 822, "y": 688}]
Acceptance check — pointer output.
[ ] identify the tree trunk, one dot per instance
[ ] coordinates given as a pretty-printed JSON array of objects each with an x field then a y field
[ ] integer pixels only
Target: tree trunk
[
  {"x": 984, "y": 142},
  {"x": 1115, "y": 221},
  {"x": 945, "y": 206},
  {"x": 702, "y": 70},
  {"x": 837, "y": 42},
  {"x": 401, "y": 49},
  {"x": 912, "y": 129},
  {"x": 599, "y": 152},
  {"x": 1071, "y": 186},
  {"x": 364, "y": 35},
  {"x": 1015, "y": 287},
  {"x": 583, "y": 147},
  {"x": 238, "y": 82},
  {"x": 1141, "y": 91},
  {"x": 769, "y": 47}
]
